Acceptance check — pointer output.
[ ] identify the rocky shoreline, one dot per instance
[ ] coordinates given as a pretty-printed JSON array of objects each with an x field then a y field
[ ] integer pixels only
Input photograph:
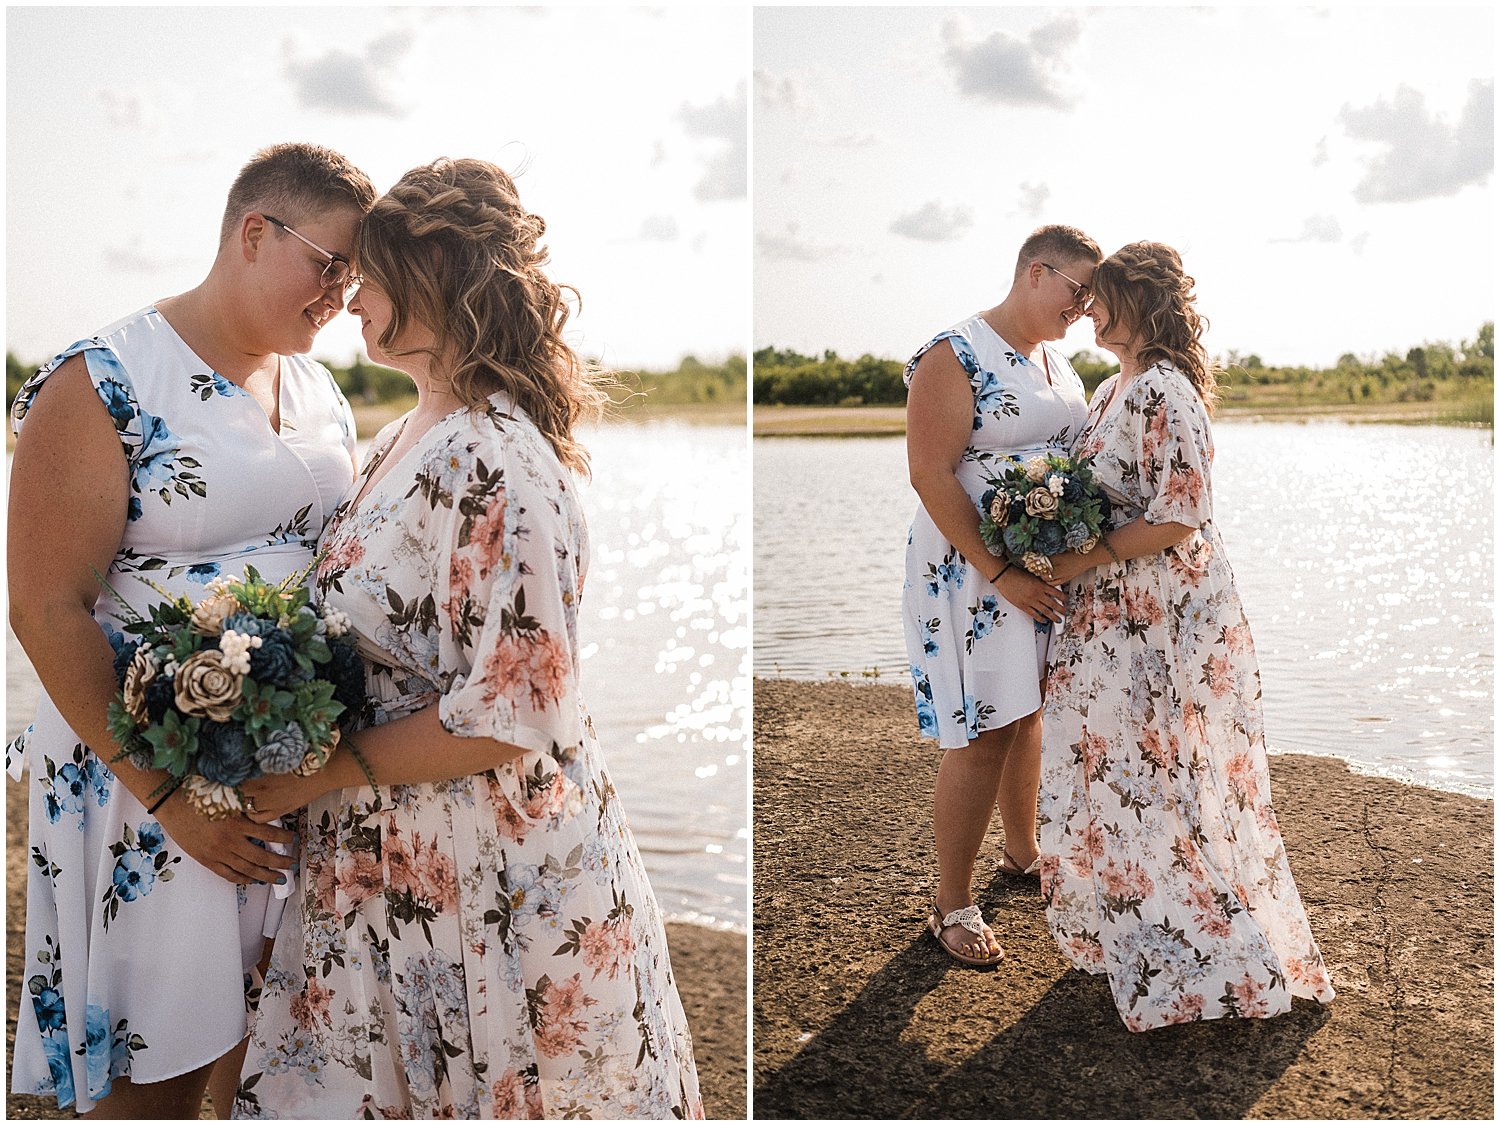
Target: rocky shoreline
[{"x": 858, "y": 1014}]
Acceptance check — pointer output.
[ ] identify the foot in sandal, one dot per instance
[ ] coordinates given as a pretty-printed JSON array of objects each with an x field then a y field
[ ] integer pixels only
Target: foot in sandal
[{"x": 964, "y": 936}]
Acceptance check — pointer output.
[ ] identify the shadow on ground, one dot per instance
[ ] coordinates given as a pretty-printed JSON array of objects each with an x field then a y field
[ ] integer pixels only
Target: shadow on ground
[{"x": 858, "y": 1013}]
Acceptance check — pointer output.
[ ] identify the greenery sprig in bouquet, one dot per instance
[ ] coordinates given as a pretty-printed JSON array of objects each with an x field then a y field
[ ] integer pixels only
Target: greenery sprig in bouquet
[
  {"x": 248, "y": 681},
  {"x": 1048, "y": 505}
]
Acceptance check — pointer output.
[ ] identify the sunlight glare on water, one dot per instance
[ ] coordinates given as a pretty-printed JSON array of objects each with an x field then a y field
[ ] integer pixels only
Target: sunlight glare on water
[
  {"x": 667, "y": 672},
  {"x": 1363, "y": 554}
]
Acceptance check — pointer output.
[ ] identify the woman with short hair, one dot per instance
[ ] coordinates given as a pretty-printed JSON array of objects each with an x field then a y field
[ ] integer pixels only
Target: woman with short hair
[
  {"x": 191, "y": 439},
  {"x": 983, "y": 394}
]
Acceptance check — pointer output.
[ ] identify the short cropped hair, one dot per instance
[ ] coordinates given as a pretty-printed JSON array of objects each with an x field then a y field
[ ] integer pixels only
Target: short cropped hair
[
  {"x": 1068, "y": 244},
  {"x": 294, "y": 181}
]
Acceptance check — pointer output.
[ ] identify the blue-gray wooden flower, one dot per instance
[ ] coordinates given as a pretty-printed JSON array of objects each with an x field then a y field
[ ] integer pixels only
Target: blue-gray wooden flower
[{"x": 283, "y": 751}]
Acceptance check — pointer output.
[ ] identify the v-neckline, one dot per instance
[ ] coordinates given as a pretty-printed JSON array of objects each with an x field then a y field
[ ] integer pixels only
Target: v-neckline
[
  {"x": 275, "y": 428},
  {"x": 368, "y": 480},
  {"x": 1046, "y": 364},
  {"x": 1116, "y": 393}
]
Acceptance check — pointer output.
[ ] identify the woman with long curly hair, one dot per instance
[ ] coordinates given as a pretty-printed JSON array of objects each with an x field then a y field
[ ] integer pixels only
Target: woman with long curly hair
[
  {"x": 1162, "y": 864},
  {"x": 475, "y": 935}
]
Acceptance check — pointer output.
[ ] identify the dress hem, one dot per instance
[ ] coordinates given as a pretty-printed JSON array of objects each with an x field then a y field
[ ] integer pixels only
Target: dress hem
[
  {"x": 990, "y": 726},
  {"x": 73, "y": 1102}
]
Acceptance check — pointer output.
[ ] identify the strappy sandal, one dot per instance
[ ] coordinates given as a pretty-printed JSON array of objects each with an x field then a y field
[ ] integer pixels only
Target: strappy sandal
[
  {"x": 971, "y": 920},
  {"x": 1009, "y": 866}
]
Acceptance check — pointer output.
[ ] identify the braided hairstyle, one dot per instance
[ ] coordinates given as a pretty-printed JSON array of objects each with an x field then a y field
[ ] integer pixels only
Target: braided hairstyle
[
  {"x": 1143, "y": 288},
  {"x": 454, "y": 250}
]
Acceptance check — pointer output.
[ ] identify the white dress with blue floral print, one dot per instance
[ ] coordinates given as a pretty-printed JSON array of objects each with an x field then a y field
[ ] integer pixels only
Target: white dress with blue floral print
[
  {"x": 137, "y": 957},
  {"x": 976, "y": 660}
]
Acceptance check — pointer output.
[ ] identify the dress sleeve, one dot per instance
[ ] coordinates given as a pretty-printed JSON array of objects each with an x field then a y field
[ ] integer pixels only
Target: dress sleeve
[
  {"x": 1175, "y": 450},
  {"x": 963, "y": 352},
  {"x": 510, "y": 600},
  {"x": 111, "y": 382}
]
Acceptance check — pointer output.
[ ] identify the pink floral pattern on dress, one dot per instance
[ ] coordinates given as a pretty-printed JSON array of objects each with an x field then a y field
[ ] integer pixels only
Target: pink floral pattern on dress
[
  {"x": 488, "y": 946},
  {"x": 1162, "y": 863}
]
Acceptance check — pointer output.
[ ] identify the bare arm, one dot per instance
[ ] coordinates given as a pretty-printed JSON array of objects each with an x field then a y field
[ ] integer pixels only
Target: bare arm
[
  {"x": 415, "y": 748},
  {"x": 939, "y": 424},
  {"x": 68, "y": 497},
  {"x": 1130, "y": 541}
]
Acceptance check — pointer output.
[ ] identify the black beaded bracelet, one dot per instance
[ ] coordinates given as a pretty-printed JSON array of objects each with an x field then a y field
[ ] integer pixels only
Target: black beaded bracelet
[
  {"x": 161, "y": 801},
  {"x": 1109, "y": 547}
]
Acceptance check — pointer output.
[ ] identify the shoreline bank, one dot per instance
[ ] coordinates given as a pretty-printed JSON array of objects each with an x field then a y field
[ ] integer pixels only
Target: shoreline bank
[
  {"x": 369, "y": 418},
  {"x": 709, "y": 965},
  {"x": 890, "y": 421},
  {"x": 857, "y": 1012},
  {"x": 891, "y": 676}
]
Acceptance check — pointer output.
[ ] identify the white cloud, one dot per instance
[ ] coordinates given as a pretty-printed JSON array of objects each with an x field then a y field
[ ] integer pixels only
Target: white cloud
[
  {"x": 133, "y": 260},
  {"x": 124, "y": 111},
  {"x": 1317, "y": 228},
  {"x": 723, "y": 122},
  {"x": 788, "y": 246},
  {"x": 1424, "y": 157},
  {"x": 341, "y": 81},
  {"x": 659, "y": 228},
  {"x": 1010, "y": 71},
  {"x": 934, "y": 222},
  {"x": 780, "y": 92},
  {"x": 1033, "y": 198}
]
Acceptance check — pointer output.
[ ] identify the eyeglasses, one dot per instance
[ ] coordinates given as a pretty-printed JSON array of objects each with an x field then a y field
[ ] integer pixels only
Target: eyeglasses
[
  {"x": 1082, "y": 298},
  {"x": 336, "y": 274}
]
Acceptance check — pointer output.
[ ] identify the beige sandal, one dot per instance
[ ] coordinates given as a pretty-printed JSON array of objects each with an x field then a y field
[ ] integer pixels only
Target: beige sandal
[
  {"x": 1010, "y": 866},
  {"x": 971, "y": 920}
]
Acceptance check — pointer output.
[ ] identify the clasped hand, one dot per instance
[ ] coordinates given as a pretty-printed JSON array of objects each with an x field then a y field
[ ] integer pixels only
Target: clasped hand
[
  {"x": 1037, "y": 597},
  {"x": 272, "y": 795},
  {"x": 227, "y": 847}
]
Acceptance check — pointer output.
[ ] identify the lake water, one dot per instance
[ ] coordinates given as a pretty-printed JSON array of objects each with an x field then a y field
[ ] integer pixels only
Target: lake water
[
  {"x": 664, "y": 626},
  {"x": 1363, "y": 554}
]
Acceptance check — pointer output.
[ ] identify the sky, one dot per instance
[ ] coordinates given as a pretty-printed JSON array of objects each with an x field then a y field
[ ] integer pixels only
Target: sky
[
  {"x": 126, "y": 126},
  {"x": 1326, "y": 172}
]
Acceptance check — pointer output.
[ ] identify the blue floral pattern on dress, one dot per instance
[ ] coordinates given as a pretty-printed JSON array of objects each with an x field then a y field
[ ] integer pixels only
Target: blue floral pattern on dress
[
  {"x": 976, "y": 660},
  {"x": 211, "y": 487},
  {"x": 208, "y": 384},
  {"x": 68, "y": 788},
  {"x": 107, "y": 1050},
  {"x": 140, "y": 861}
]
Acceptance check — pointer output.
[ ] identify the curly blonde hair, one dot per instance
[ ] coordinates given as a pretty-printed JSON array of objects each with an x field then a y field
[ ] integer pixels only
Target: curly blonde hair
[
  {"x": 453, "y": 249},
  {"x": 1143, "y": 288}
]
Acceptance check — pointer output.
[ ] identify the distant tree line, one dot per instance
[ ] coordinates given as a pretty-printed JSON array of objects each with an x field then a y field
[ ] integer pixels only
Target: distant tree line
[
  {"x": 788, "y": 377},
  {"x": 692, "y": 381}
]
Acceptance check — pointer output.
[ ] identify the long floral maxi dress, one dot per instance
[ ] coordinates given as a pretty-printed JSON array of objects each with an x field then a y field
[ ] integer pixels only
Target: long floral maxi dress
[
  {"x": 1162, "y": 863},
  {"x": 487, "y": 946},
  {"x": 137, "y": 957},
  {"x": 977, "y": 662}
]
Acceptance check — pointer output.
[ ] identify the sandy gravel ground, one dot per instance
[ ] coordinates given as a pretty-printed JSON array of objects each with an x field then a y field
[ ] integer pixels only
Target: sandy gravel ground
[
  {"x": 858, "y": 1014},
  {"x": 710, "y": 968}
]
